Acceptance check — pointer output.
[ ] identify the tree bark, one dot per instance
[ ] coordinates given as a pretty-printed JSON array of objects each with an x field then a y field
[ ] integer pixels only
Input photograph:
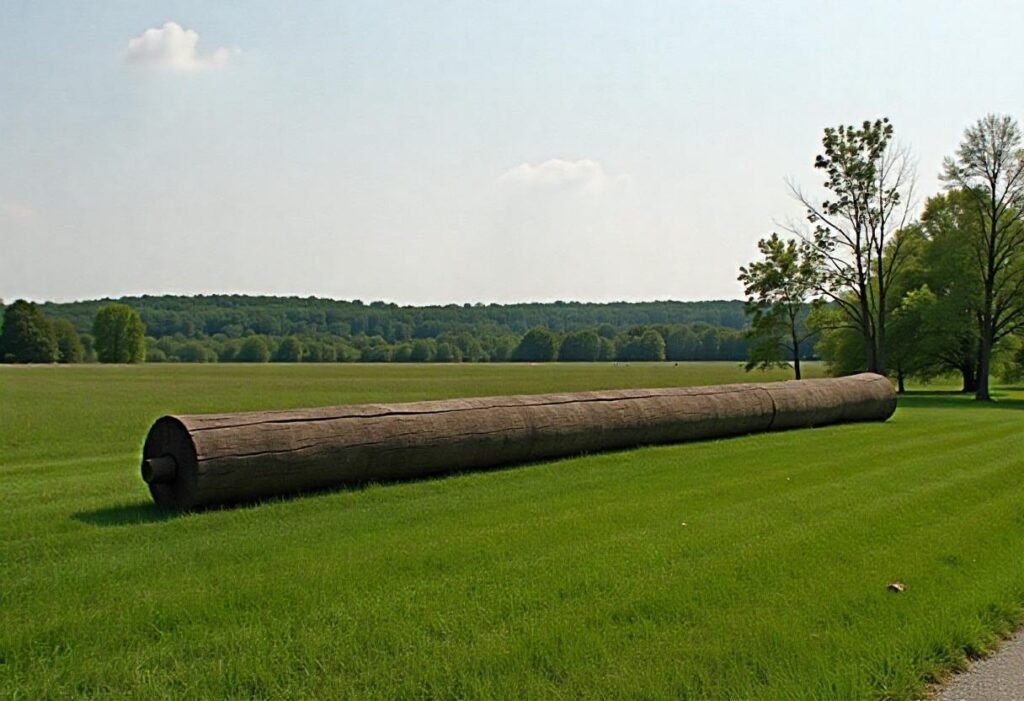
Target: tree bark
[
  {"x": 796, "y": 350},
  {"x": 970, "y": 379},
  {"x": 982, "y": 394}
]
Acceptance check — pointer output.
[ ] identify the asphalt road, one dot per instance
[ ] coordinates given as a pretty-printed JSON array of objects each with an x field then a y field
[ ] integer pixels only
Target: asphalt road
[{"x": 996, "y": 678}]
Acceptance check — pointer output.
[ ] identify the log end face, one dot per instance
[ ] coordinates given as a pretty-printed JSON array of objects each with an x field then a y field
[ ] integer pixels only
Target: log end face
[{"x": 169, "y": 465}]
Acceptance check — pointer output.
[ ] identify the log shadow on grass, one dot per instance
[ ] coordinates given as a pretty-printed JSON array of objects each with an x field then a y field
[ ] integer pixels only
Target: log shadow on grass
[
  {"x": 125, "y": 515},
  {"x": 952, "y": 399},
  {"x": 148, "y": 512}
]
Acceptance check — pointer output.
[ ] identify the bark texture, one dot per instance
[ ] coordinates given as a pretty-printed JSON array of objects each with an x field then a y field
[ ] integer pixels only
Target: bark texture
[{"x": 226, "y": 458}]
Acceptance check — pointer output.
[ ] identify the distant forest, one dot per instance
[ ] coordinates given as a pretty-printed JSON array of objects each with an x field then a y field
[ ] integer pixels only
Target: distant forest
[{"x": 231, "y": 328}]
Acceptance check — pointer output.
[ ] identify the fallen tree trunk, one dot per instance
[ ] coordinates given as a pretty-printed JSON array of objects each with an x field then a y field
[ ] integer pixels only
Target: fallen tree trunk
[{"x": 194, "y": 461}]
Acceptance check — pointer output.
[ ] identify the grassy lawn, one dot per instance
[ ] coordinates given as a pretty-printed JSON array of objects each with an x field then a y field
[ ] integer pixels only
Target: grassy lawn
[{"x": 753, "y": 567}]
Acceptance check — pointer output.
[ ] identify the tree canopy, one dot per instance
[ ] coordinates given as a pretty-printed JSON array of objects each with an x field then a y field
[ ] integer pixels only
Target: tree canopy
[
  {"x": 27, "y": 335},
  {"x": 119, "y": 334}
]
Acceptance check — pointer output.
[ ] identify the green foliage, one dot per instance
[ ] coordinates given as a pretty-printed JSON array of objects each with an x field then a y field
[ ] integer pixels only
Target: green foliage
[
  {"x": 69, "y": 344},
  {"x": 331, "y": 331},
  {"x": 236, "y": 316},
  {"x": 779, "y": 289},
  {"x": 681, "y": 344},
  {"x": 289, "y": 351},
  {"x": 120, "y": 335},
  {"x": 537, "y": 346},
  {"x": 423, "y": 350},
  {"x": 912, "y": 345},
  {"x": 839, "y": 344},
  {"x": 648, "y": 346},
  {"x": 195, "y": 352},
  {"x": 988, "y": 172},
  {"x": 869, "y": 184},
  {"x": 448, "y": 353},
  {"x": 253, "y": 350},
  {"x": 27, "y": 335},
  {"x": 580, "y": 346}
]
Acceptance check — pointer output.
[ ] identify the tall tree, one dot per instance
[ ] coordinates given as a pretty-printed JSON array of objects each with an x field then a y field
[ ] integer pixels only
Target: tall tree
[
  {"x": 870, "y": 183},
  {"x": 538, "y": 345},
  {"x": 69, "y": 343},
  {"x": 779, "y": 289},
  {"x": 954, "y": 325},
  {"x": 120, "y": 335},
  {"x": 580, "y": 346},
  {"x": 27, "y": 336},
  {"x": 989, "y": 168}
]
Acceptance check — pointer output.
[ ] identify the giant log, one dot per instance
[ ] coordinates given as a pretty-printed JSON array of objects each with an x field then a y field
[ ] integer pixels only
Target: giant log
[{"x": 194, "y": 461}]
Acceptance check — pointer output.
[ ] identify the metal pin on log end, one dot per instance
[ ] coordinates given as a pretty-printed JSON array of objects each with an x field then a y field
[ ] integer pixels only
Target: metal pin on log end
[{"x": 161, "y": 469}]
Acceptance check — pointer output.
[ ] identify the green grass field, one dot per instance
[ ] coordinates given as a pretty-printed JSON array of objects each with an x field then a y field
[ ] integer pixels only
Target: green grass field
[{"x": 753, "y": 567}]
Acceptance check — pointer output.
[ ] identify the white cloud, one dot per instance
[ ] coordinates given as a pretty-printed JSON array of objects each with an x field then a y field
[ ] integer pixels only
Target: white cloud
[
  {"x": 172, "y": 46},
  {"x": 559, "y": 174}
]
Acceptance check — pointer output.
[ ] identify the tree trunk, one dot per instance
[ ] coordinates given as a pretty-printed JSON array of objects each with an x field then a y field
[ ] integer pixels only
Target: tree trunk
[
  {"x": 870, "y": 347},
  {"x": 194, "y": 460},
  {"x": 901, "y": 387},
  {"x": 796, "y": 351},
  {"x": 970, "y": 379},
  {"x": 984, "y": 365}
]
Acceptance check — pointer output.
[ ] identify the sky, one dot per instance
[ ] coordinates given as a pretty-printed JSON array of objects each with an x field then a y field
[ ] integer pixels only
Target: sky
[{"x": 454, "y": 151}]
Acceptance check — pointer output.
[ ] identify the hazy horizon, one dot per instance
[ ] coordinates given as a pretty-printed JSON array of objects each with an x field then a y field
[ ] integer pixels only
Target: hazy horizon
[
  {"x": 367, "y": 302},
  {"x": 454, "y": 152}
]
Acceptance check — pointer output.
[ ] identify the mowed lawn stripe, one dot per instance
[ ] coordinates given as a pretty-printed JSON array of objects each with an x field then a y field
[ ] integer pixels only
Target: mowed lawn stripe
[{"x": 554, "y": 580}]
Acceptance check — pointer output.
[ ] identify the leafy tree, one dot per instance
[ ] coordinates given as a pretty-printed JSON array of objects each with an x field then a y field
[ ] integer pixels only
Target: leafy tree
[
  {"x": 681, "y": 344},
  {"x": 708, "y": 340},
  {"x": 538, "y": 346},
  {"x": 448, "y": 353},
  {"x": 423, "y": 350},
  {"x": 253, "y": 350},
  {"x": 840, "y": 344},
  {"x": 871, "y": 183},
  {"x": 911, "y": 345},
  {"x": 120, "y": 335},
  {"x": 954, "y": 327},
  {"x": 69, "y": 344},
  {"x": 195, "y": 352},
  {"x": 608, "y": 350},
  {"x": 376, "y": 353},
  {"x": 649, "y": 346},
  {"x": 501, "y": 348},
  {"x": 27, "y": 335},
  {"x": 580, "y": 346},
  {"x": 403, "y": 353},
  {"x": 88, "y": 346},
  {"x": 290, "y": 351},
  {"x": 227, "y": 353},
  {"x": 779, "y": 289},
  {"x": 989, "y": 169}
]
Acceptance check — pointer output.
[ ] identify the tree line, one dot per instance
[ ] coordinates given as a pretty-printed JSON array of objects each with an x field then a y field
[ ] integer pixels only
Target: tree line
[
  {"x": 880, "y": 285},
  {"x": 429, "y": 335},
  {"x": 27, "y": 335},
  {"x": 235, "y": 316}
]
